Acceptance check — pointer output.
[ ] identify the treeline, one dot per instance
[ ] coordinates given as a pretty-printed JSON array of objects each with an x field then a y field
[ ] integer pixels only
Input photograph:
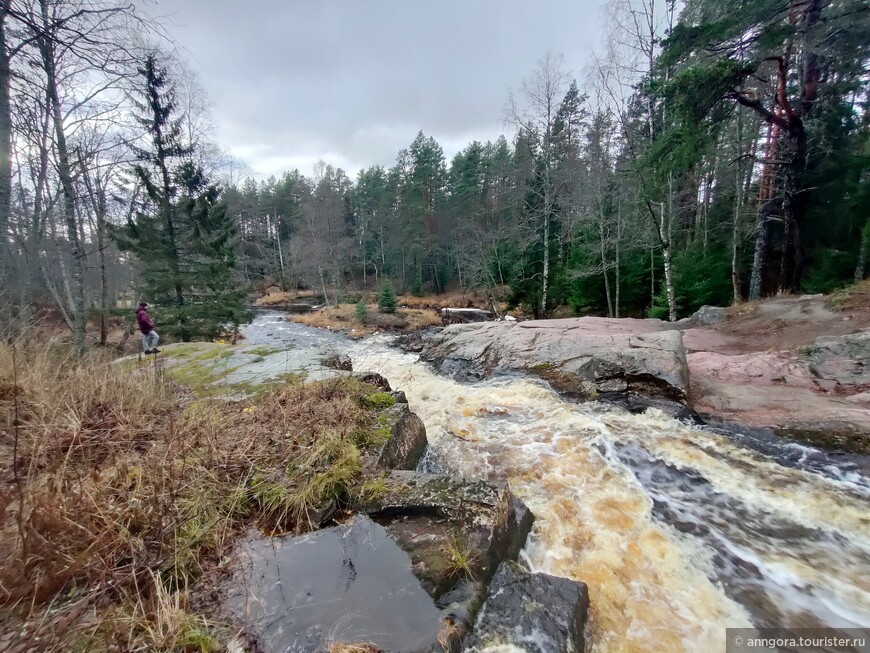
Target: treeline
[
  {"x": 712, "y": 152},
  {"x": 716, "y": 154}
]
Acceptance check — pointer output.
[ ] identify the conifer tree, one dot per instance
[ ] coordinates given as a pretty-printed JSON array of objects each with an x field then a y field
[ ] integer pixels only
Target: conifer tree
[
  {"x": 387, "y": 299},
  {"x": 183, "y": 239}
]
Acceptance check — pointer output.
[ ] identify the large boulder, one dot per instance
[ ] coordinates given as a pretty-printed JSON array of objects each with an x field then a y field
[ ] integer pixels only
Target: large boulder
[
  {"x": 454, "y": 530},
  {"x": 843, "y": 361},
  {"x": 349, "y": 584},
  {"x": 585, "y": 357},
  {"x": 407, "y": 442},
  {"x": 708, "y": 316},
  {"x": 536, "y": 613}
]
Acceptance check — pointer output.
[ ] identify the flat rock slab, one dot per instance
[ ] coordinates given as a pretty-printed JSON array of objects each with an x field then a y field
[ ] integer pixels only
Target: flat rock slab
[
  {"x": 347, "y": 584},
  {"x": 536, "y": 613},
  {"x": 582, "y": 356},
  {"x": 786, "y": 393},
  {"x": 431, "y": 516}
]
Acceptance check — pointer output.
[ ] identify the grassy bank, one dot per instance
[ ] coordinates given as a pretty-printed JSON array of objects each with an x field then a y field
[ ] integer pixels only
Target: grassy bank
[
  {"x": 343, "y": 318},
  {"x": 413, "y": 313},
  {"x": 120, "y": 490}
]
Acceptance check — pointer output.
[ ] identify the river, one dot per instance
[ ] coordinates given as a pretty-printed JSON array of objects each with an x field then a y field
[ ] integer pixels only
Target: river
[{"x": 678, "y": 531}]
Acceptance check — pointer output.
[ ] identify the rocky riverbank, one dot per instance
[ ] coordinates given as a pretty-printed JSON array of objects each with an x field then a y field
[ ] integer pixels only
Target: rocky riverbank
[
  {"x": 790, "y": 365},
  {"x": 397, "y": 558},
  {"x": 408, "y": 562}
]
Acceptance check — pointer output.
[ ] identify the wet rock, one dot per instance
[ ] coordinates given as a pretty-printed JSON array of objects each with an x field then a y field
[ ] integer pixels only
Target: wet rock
[
  {"x": 581, "y": 356},
  {"x": 399, "y": 396},
  {"x": 410, "y": 342},
  {"x": 347, "y": 584},
  {"x": 807, "y": 397},
  {"x": 637, "y": 403},
  {"x": 338, "y": 362},
  {"x": 534, "y": 612},
  {"x": 407, "y": 442},
  {"x": 375, "y": 379},
  {"x": 434, "y": 517}
]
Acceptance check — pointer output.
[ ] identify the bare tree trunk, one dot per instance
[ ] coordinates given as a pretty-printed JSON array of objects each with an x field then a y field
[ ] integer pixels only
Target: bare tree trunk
[
  {"x": 735, "y": 250},
  {"x": 862, "y": 255},
  {"x": 5, "y": 144},
  {"x": 665, "y": 237},
  {"x": 64, "y": 171},
  {"x": 765, "y": 196},
  {"x": 666, "y": 258},
  {"x": 759, "y": 258},
  {"x": 96, "y": 190},
  {"x": 603, "y": 253},
  {"x": 104, "y": 282},
  {"x": 618, "y": 236},
  {"x": 280, "y": 250},
  {"x": 546, "y": 255},
  {"x": 735, "y": 227},
  {"x": 323, "y": 284}
]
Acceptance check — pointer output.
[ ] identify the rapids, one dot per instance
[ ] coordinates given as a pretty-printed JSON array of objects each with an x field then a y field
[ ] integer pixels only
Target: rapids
[{"x": 678, "y": 531}]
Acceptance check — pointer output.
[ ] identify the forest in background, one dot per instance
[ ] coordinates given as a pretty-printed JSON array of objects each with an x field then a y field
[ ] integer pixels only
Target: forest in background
[{"x": 710, "y": 153}]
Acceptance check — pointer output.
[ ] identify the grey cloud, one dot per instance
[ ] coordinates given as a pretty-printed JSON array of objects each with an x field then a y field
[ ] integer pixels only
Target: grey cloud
[{"x": 353, "y": 82}]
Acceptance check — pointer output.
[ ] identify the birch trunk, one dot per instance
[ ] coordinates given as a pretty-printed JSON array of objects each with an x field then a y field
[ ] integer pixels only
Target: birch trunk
[{"x": 64, "y": 171}]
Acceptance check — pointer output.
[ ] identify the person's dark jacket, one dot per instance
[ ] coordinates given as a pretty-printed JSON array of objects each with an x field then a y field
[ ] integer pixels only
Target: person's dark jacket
[{"x": 144, "y": 320}]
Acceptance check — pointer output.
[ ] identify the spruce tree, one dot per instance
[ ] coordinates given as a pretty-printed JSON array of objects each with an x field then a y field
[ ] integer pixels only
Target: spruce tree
[
  {"x": 387, "y": 299},
  {"x": 183, "y": 238},
  {"x": 362, "y": 312}
]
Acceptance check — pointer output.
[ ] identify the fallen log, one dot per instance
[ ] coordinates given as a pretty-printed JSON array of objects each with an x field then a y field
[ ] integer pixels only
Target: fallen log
[{"x": 464, "y": 315}]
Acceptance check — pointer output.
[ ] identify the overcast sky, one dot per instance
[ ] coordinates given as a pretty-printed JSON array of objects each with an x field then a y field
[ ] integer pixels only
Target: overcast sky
[{"x": 351, "y": 82}]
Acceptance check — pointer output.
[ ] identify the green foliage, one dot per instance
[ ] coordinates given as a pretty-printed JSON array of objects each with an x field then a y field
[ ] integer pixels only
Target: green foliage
[
  {"x": 387, "y": 299},
  {"x": 379, "y": 400},
  {"x": 699, "y": 279},
  {"x": 361, "y": 312},
  {"x": 184, "y": 238}
]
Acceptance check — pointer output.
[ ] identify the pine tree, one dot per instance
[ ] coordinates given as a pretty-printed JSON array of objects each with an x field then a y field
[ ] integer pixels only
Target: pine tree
[
  {"x": 387, "y": 299},
  {"x": 361, "y": 312},
  {"x": 184, "y": 239}
]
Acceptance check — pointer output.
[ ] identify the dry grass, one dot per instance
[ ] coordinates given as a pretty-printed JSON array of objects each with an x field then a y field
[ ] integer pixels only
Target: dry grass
[
  {"x": 282, "y": 297},
  {"x": 116, "y": 495},
  {"x": 341, "y": 647},
  {"x": 851, "y": 298},
  {"x": 343, "y": 317}
]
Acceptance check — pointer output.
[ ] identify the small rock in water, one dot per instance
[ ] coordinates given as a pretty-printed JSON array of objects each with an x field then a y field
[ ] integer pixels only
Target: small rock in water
[
  {"x": 375, "y": 379},
  {"x": 537, "y": 613},
  {"x": 339, "y": 362}
]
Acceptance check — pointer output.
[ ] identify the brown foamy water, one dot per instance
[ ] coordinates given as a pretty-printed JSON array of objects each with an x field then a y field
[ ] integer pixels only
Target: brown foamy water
[{"x": 679, "y": 532}]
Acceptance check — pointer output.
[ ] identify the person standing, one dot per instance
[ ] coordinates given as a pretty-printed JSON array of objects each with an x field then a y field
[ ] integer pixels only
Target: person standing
[{"x": 146, "y": 326}]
